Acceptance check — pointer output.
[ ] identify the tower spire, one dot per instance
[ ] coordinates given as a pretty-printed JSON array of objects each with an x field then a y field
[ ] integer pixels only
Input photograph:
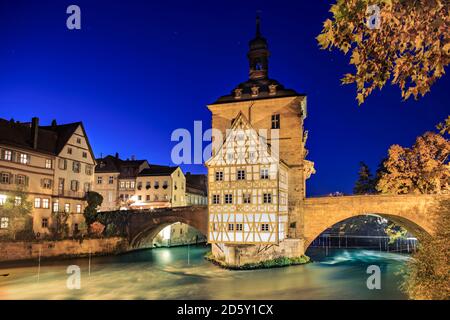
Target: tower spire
[{"x": 258, "y": 25}]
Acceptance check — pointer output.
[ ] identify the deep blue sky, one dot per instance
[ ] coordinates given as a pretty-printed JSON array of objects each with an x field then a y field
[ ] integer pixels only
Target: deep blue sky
[{"x": 137, "y": 70}]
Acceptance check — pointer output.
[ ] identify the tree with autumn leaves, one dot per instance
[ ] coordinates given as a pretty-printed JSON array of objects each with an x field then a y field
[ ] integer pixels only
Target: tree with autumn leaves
[
  {"x": 423, "y": 168},
  {"x": 405, "y": 42}
]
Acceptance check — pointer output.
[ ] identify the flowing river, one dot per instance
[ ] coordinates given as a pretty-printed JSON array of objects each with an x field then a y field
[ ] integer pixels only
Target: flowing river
[{"x": 182, "y": 273}]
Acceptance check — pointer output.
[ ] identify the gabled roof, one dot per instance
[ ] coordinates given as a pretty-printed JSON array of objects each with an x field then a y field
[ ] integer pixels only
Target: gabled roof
[
  {"x": 241, "y": 123},
  {"x": 156, "y": 170},
  {"x": 113, "y": 164},
  {"x": 51, "y": 139}
]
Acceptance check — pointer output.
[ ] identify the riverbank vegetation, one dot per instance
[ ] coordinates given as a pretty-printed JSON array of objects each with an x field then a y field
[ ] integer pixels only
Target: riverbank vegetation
[
  {"x": 273, "y": 263},
  {"x": 427, "y": 275}
]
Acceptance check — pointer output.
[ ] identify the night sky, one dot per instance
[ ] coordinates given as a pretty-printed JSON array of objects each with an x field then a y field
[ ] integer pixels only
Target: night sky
[{"x": 137, "y": 70}]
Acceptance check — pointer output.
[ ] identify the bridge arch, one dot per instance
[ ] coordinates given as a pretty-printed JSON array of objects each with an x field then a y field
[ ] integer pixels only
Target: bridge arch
[
  {"x": 147, "y": 224},
  {"x": 416, "y": 213}
]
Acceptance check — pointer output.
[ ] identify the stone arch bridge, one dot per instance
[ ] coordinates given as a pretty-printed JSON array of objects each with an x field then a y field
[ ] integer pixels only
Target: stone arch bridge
[{"x": 414, "y": 212}]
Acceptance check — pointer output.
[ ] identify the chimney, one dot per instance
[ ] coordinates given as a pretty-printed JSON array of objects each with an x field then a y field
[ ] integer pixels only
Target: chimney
[
  {"x": 54, "y": 124},
  {"x": 133, "y": 157},
  {"x": 117, "y": 155},
  {"x": 34, "y": 131}
]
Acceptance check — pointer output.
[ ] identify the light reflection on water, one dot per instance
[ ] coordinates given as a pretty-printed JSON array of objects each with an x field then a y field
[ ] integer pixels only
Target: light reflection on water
[{"x": 165, "y": 274}]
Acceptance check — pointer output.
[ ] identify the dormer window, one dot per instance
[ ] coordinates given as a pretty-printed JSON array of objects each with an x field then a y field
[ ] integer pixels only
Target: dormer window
[
  {"x": 255, "y": 91},
  {"x": 273, "y": 89},
  {"x": 238, "y": 93}
]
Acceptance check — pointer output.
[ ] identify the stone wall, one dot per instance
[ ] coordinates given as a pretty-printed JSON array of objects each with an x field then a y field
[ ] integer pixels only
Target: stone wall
[
  {"x": 239, "y": 255},
  {"x": 16, "y": 251}
]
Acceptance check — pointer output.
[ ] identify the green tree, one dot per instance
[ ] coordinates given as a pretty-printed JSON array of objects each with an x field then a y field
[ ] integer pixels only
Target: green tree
[
  {"x": 365, "y": 182},
  {"x": 59, "y": 226},
  {"x": 406, "y": 42},
  {"x": 94, "y": 200},
  {"x": 427, "y": 276},
  {"x": 17, "y": 209}
]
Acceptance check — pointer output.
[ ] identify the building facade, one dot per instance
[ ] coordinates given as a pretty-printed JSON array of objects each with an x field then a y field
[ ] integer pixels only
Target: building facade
[
  {"x": 160, "y": 187},
  {"x": 50, "y": 167},
  {"x": 115, "y": 180},
  {"x": 135, "y": 184},
  {"x": 274, "y": 116},
  {"x": 196, "y": 189}
]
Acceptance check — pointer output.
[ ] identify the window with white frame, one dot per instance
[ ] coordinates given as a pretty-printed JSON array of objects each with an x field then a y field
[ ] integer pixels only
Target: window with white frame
[
  {"x": 78, "y": 208},
  {"x": 20, "y": 180},
  {"x": 76, "y": 166},
  {"x": 99, "y": 180},
  {"x": 6, "y": 177},
  {"x": 264, "y": 173},
  {"x": 45, "y": 203},
  {"x": 2, "y": 199},
  {"x": 47, "y": 183},
  {"x": 55, "y": 207},
  {"x": 67, "y": 207},
  {"x": 17, "y": 201}
]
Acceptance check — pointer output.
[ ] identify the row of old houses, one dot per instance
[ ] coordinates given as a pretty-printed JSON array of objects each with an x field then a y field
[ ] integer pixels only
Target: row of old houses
[{"x": 51, "y": 168}]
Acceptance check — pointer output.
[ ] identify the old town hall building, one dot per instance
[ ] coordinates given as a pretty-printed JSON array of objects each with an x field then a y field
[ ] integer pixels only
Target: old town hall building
[{"x": 258, "y": 168}]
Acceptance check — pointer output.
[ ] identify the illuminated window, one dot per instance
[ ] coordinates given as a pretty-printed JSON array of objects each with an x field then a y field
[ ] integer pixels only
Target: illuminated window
[
  {"x": 45, "y": 203},
  {"x": 17, "y": 201},
  {"x": 7, "y": 155},
  {"x": 67, "y": 208},
  {"x": 264, "y": 173},
  {"x": 132, "y": 184},
  {"x": 4, "y": 223},
  {"x": 48, "y": 163},
  {"x": 37, "y": 202},
  {"x": 55, "y": 207},
  {"x": 2, "y": 199},
  {"x": 241, "y": 174},
  {"x": 122, "y": 184},
  {"x": 24, "y": 158},
  {"x": 264, "y": 227},
  {"x": 78, "y": 208}
]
